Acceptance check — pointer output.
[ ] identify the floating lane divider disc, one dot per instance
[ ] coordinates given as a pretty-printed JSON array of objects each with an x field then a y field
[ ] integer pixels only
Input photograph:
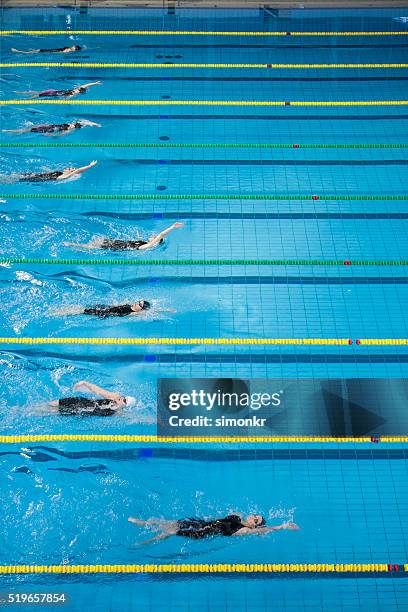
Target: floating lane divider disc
[
  {"x": 144, "y": 439},
  {"x": 209, "y": 102},
  {"x": 224, "y": 196},
  {"x": 182, "y": 341},
  {"x": 200, "y": 262},
  {"x": 176, "y": 145},
  {"x": 210, "y": 568},
  {"x": 190, "y": 65},
  {"x": 196, "y": 33}
]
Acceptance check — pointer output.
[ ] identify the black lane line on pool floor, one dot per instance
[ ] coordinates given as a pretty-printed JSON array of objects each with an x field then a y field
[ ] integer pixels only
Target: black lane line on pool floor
[
  {"x": 229, "y": 79},
  {"x": 213, "y": 358},
  {"x": 268, "y": 117},
  {"x": 254, "y": 216},
  {"x": 232, "y": 280},
  {"x": 39, "y": 454},
  {"x": 259, "y": 162}
]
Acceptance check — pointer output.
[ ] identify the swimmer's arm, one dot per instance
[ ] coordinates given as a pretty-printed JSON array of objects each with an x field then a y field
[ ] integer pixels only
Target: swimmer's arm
[
  {"x": 91, "y": 84},
  {"x": 173, "y": 310},
  {"x": 77, "y": 170},
  {"x": 259, "y": 530},
  {"x": 92, "y": 388},
  {"x": 159, "y": 237}
]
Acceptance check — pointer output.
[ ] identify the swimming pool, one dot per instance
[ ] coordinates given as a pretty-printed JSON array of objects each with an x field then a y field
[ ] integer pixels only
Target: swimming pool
[{"x": 295, "y": 227}]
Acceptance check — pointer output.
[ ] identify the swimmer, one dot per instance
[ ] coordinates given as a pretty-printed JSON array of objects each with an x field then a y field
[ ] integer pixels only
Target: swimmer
[
  {"x": 198, "y": 529},
  {"x": 110, "y": 403},
  {"x": 52, "y": 129},
  {"x": 60, "y": 93},
  {"x": 71, "y": 49},
  {"x": 57, "y": 175},
  {"x": 111, "y": 244},
  {"x": 103, "y": 312}
]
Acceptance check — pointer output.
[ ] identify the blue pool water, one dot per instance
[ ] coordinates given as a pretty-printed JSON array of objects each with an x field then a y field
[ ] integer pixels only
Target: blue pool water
[{"x": 69, "y": 503}]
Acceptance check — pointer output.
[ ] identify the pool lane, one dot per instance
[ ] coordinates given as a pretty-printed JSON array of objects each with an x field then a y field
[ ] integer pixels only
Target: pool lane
[
  {"x": 207, "y": 305},
  {"x": 338, "y": 503}
]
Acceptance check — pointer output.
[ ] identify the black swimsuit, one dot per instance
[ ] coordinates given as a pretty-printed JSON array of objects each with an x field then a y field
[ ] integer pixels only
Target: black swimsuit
[
  {"x": 109, "y": 311},
  {"x": 197, "y": 529},
  {"x": 56, "y": 93},
  {"x": 50, "y": 128},
  {"x": 39, "y": 178},
  {"x": 122, "y": 245},
  {"x": 60, "y": 50},
  {"x": 82, "y": 406}
]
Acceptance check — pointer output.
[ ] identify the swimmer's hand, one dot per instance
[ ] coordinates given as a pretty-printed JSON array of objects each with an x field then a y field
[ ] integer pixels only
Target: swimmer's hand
[
  {"x": 93, "y": 163},
  {"x": 136, "y": 521},
  {"x": 290, "y": 525},
  {"x": 178, "y": 224},
  {"x": 79, "y": 386}
]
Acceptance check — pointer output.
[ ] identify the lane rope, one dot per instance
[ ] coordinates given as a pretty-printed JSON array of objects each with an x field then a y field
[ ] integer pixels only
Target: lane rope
[
  {"x": 196, "y": 33},
  {"x": 182, "y": 341},
  {"x": 200, "y": 262},
  {"x": 193, "y": 65},
  {"x": 32, "y": 438},
  {"x": 177, "y": 145},
  {"x": 224, "y": 196},
  {"x": 357, "y": 103},
  {"x": 382, "y": 341},
  {"x": 207, "y": 568}
]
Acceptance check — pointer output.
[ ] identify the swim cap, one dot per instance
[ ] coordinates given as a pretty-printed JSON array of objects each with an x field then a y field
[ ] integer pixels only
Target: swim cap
[{"x": 130, "y": 401}]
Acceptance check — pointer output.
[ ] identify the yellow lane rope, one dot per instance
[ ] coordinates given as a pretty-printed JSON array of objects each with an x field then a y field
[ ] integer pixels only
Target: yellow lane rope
[
  {"x": 145, "y": 439},
  {"x": 194, "y": 33},
  {"x": 212, "y": 568},
  {"x": 190, "y": 65},
  {"x": 183, "y": 341},
  {"x": 383, "y": 341},
  {"x": 209, "y": 102}
]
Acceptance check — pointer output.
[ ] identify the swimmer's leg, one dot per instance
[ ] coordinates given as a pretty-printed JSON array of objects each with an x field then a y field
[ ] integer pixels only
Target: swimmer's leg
[
  {"x": 96, "y": 243},
  {"x": 22, "y": 131},
  {"x": 142, "y": 523},
  {"x": 45, "y": 408},
  {"x": 31, "y": 94},
  {"x": 168, "y": 527},
  {"x": 25, "y": 52},
  {"x": 69, "y": 310}
]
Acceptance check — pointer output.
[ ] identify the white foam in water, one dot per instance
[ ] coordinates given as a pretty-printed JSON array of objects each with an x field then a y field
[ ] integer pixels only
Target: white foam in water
[
  {"x": 25, "y": 276},
  {"x": 58, "y": 373},
  {"x": 286, "y": 514},
  {"x": 402, "y": 19}
]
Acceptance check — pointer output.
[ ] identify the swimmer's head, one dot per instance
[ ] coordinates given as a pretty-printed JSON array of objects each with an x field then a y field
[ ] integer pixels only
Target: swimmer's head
[
  {"x": 130, "y": 401},
  {"x": 141, "y": 305},
  {"x": 77, "y": 48},
  {"x": 82, "y": 90},
  {"x": 253, "y": 521}
]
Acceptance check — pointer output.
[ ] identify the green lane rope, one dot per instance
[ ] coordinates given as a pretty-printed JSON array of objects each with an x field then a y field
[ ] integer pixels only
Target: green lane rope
[
  {"x": 224, "y": 196},
  {"x": 167, "y": 145},
  {"x": 202, "y": 262}
]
